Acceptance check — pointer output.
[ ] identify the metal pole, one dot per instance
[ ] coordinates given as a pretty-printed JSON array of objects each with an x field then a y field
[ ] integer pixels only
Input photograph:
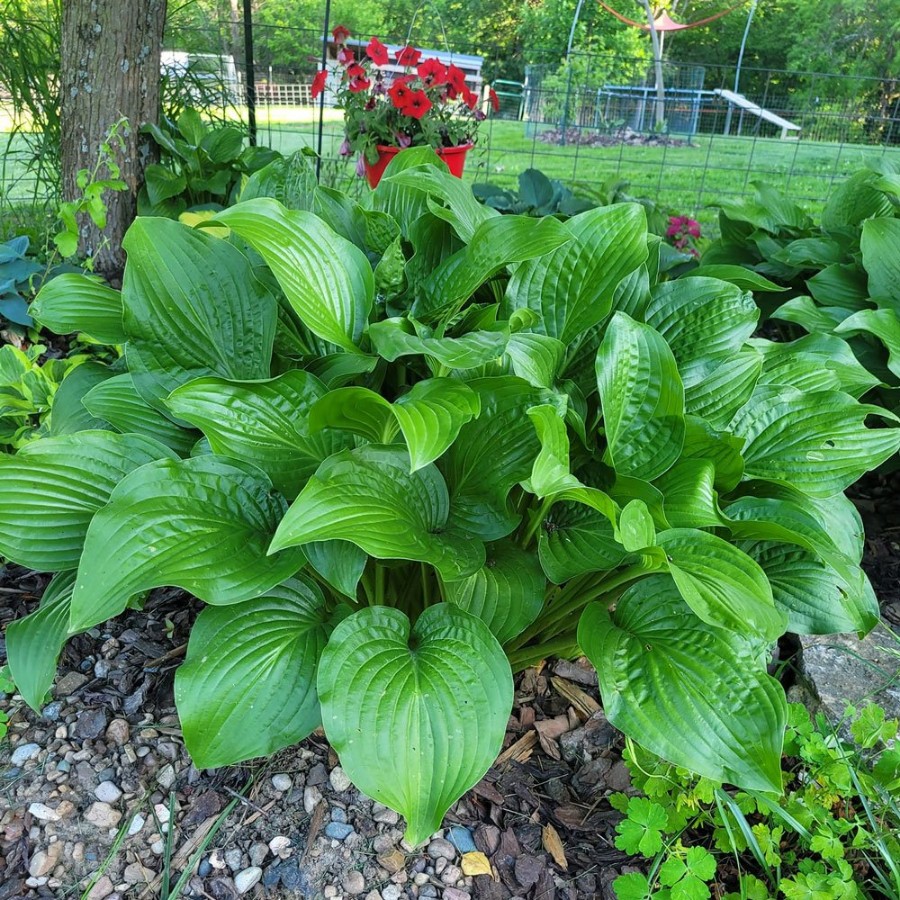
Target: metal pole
[
  {"x": 325, "y": 25},
  {"x": 740, "y": 60},
  {"x": 565, "y": 120},
  {"x": 248, "y": 69}
]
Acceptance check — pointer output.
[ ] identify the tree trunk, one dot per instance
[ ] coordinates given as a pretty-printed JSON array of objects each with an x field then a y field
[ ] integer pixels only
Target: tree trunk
[
  {"x": 110, "y": 70},
  {"x": 660, "y": 117}
]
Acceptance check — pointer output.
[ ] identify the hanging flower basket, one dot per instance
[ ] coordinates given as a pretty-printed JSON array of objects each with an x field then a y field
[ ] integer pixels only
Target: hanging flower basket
[{"x": 455, "y": 157}]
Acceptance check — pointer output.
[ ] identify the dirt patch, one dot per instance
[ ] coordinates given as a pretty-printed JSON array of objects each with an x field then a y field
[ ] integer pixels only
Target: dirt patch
[{"x": 626, "y": 136}]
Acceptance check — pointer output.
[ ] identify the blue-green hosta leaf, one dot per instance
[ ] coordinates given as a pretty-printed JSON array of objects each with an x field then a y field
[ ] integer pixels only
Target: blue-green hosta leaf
[
  {"x": 575, "y": 540},
  {"x": 263, "y": 422},
  {"x": 817, "y": 442},
  {"x": 497, "y": 243},
  {"x": 720, "y": 583},
  {"x": 704, "y": 321},
  {"x": 115, "y": 400},
  {"x": 818, "y": 598},
  {"x": 33, "y": 644},
  {"x": 880, "y": 245},
  {"x": 326, "y": 278},
  {"x": 745, "y": 279},
  {"x": 492, "y": 454},
  {"x": 506, "y": 593},
  {"x": 444, "y": 685},
  {"x": 397, "y": 337},
  {"x": 192, "y": 308},
  {"x": 69, "y": 415},
  {"x": 369, "y": 497},
  {"x": 815, "y": 319},
  {"x": 202, "y": 524},
  {"x": 721, "y": 448},
  {"x": 884, "y": 324},
  {"x": 696, "y": 695},
  {"x": 248, "y": 685},
  {"x": 74, "y": 302},
  {"x": 690, "y": 495},
  {"x": 573, "y": 287},
  {"x": 51, "y": 489},
  {"x": 719, "y": 395},
  {"x": 642, "y": 398},
  {"x": 536, "y": 358}
]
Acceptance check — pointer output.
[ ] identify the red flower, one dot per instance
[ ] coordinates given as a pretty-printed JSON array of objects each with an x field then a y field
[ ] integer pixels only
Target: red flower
[
  {"x": 417, "y": 105},
  {"x": 408, "y": 56},
  {"x": 356, "y": 71},
  {"x": 340, "y": 33},
  {"x": 432, "y": 72},
  {"x": 345, "y": 56},
  {"x": 470, "y": 98},
  {"x": 495, "y": 100},
  {"x": 318, "y": 84},
  {"x": 456, "y": 78},
  {"x": 359, "y": 84},
  {"x": 400, "y": 93},
  {"x": 377, "y": 52}
]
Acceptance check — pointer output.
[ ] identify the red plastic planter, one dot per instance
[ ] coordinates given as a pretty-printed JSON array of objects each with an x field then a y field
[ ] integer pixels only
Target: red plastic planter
[{"x": 455, "y": 157}]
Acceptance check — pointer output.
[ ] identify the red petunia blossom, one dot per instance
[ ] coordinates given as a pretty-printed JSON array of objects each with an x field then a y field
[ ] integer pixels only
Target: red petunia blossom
[
  {"x": 470, "y": 98},
  {"x": 495, "y": 100},
  {"x": 345, "y": 56},
  {"x": 432, "y": 72},
  {"x": 456, "y": 78},
  {"x": 408, "y": 56},
  {"x": 416, "y": 105},
  {"x": 359, "y": 84},
  {"x": 356, "y": 71},
  {"x": 400, "y": 93},
  {"x": 318, "y": 84},
  {"x": 340, "y": 33},
  {"x": 377, "y": 52}
]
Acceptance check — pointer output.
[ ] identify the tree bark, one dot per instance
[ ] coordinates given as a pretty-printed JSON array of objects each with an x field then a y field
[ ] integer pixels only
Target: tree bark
[
  {"x": 110, "y": 69},
  {"x": 660, "y": 116}
]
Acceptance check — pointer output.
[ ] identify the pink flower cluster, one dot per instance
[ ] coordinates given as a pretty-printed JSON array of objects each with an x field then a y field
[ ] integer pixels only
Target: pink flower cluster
[{"x": 682, "y": 232}]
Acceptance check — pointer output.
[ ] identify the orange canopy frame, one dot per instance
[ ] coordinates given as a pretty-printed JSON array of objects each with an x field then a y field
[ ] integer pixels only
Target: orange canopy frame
[{"x": 664, "y": 22}]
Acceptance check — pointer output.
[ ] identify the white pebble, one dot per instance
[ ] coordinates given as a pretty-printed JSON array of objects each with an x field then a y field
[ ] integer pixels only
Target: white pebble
[
  {"x": 44, "y": 813},
  {"x": 339, "y": 780},
  {"x": 107, "y": 792},
  {"x": 247, "y": 879},
  {"x": 23, "y": 753},
  {"x": 280, "y": 845},
  {"x": 137, "y": 823},
  {"x": 311, "y": 798},
  {"x": 282, "y": 782}
]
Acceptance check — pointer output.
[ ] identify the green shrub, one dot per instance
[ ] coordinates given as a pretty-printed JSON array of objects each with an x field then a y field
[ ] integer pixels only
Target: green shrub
[{"x": 402, "y": 450}]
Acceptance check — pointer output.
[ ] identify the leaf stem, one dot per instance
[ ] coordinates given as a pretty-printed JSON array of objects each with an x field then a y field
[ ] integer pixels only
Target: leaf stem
[
  {"x": 535, "y": 516},
  {"x": 380, "y": 573},
  {"x": 565, "y": 645}
]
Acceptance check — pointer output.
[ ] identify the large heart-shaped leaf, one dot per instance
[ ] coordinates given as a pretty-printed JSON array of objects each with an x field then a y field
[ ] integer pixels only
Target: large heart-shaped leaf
[
  {"x": 326, "y": 278},
  {"x": 69, "y": 414},
  {"x": 202, "y": 524},
  {"x": 642, "y": 398},
  {"x": 696, "y": 695},
  {"x": 248, "y": 685},
  {"x": 417, "y": 715},
  {"x": 880, "y": 245},
  {"x": 397, "y": 337},
  {"x": 192, "y": 308},
  {"x": 506, "y": 593},
  {"x": 340, "y": 563},
  {"x": 404, "y": 203},
  {"x": 884, "y": 324},
  {"x": 572, "y": 288},
  {"x": 719, "y": 395},
  {"x": 263, "y": 422},
  {"x": 818, "y": 442},
  {"x": 74, "y": 302},
  {"x": 51, "y": 489},
  {"x": 690, "y": 496},
  {"x": 369, "y": 497}
]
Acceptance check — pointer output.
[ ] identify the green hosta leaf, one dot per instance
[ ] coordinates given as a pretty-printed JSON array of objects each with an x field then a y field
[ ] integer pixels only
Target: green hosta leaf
[
  {"x": 853, "y": 200},
  {"x": 745, "y": 279},
  {"x": 357, "y": 410},
  {"x": 369, "y": 497},
  {"x": 192, "y": 308},
  {"x": 880, "y": 245},
  {"x": 51, "y": 489},
  {"x": 817, "y": 598},
  {"x": 722, "y": 449},
  {"x": 636, "y": 528},
  {"x": 327, "y": 279},
  {"x": 704, "y": 321},
  {"x": 340, "y": 563},
  {"x": 841, "y": 286},
  {"x": 816, "y": 442},
  {"x": 550, "y": 473},
  {"x": 263, "y": 422},
  {"x": 720, "y": 583},
  {"x": 809, "y": 253},
  {"x": 33, "y": 644},
  {"x": 248, "y": 685},
  {"x": 223, "y": 144},
  {"x": 884, "y": 324},
  {"x": 536, "y": 358},
  {"x": 444, "y": 685},
  {"x": 74, "y": 302},
  {"x": 397, "y": 337},
  {"x": 642, "y": 398},
  {"x": 406, "y": 204},
  {"x": 116, "y": 401},
  {"x": 815, "y": 319},
  {"x": 719, "y": 395},
  {"x": 202, "y": 524},
  {"x": 696, "y": 695},
  {"x": 575, "y": 540},
  {"x": 690, "y": 496},
  {"x": 162, "y": 183},
  {"x": 497, "y": 243},
  {"x": 573, "y": 287},
  {"x": 334, "y": 370},
  {"x": 69, "y": 414},
  {"x": 506, "y": 593}
]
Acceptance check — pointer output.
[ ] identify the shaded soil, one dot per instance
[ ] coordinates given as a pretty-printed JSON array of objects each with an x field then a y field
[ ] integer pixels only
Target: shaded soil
[{"x": 586, "y": 138}]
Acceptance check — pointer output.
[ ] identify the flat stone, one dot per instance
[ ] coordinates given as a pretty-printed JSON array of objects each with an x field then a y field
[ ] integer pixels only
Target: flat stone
[
  {"x": 317, "y": 775},
  {"x": 354, "y": 883},
  {"x": 23, "y": 753},
  {"x": 338, "y": 814},
  {"x": 51, "y": 712},
  {"x": 102, "y": 815},
  {"x": 385, "y": 814},
  {"x": 247, "y": 879},
  {"x": 69, "y": 683},
  {"x": 280, "y": 845},
  {"x": 90, "y": 724},
  {"x": 311, "y": 798},
  {"x": 135, "y": 873},
  {"x": 452, "y": 893},
  {"x": 102, "y": 889},
  {"x": 117, "y": 732},
  {"x": 44, "y": 861},
  {"x": 441, "y": 849},
  {"x": 462, "y": 839},
  {"x": 392, "y": 892},
  {"x": 339, "y": 780},
  {"x": 282, "y": 782},
  {"x": 166, "y": 777},
  {"x": 137, "y": 823},
  {"x": 44, "y": 813},
  {"x": 338, "y": 831},
  {"x": 258, "y": 853},
  {"x": 107, "y": 792}
]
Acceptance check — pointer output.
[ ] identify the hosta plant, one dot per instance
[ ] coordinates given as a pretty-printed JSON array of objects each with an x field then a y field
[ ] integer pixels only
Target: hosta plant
[{"x": 402, "y": 450}]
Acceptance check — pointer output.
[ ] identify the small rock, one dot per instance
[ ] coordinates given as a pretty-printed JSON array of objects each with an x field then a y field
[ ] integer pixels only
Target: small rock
[
  {"x": 166, "y": 777},
  {"x": 354, "y": 883},
  {"x": 384, "y": 814},
  {"x": 118, "y": 732},
  {"x": 69, "y": 683},
  {"x": 102, "y": 815},
  {"x": 44, "y": 813},
  {"x": 338, "y": 831},
  {"x": 383, "y": 843},
  {"x": 618, "y": 778},
  {"x": 107, "y": 792},
  {"x": 452, "y": 893},
  {"x": 392, "y": 892},
  {"x": 135, "y": 873},
  {"x": 428, "y": 891},
  {"x": 339, "y": 780},
  {"x": 311, "y": 798},
  {"x": 462, "y": 839},
  {"x": 374, "y": 895},
  {"x": 247, "y": 879},
  {"x": 330, "y": 891},
  {"x": 208, "y": 804},
  {"x": 51, "y": 711},
  {"x": 292, "y": 877},
  {"x": 157, "y": 848},
  {"x": 137, "y": 823},
  {"x": 217, "y": 860},
  {"x": 282, "y": 782},
  {"x": 318, "y": 774},
  {"x": 338, "y": 814},
  {"x": 258, "y": 853},
  {"x": 441, "y": 849},
  {"x": 44, "y": 861},
  {"x": 102, "y": 889},
  {"x": 204, "y": 869},
  {"x": 89, "y": 725},
  {"x": 234, "y": 859},
  {"x": 23, "y": 753},
  {"x": 280, "y": 846},
  {"x": 392, "y": 862}
]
